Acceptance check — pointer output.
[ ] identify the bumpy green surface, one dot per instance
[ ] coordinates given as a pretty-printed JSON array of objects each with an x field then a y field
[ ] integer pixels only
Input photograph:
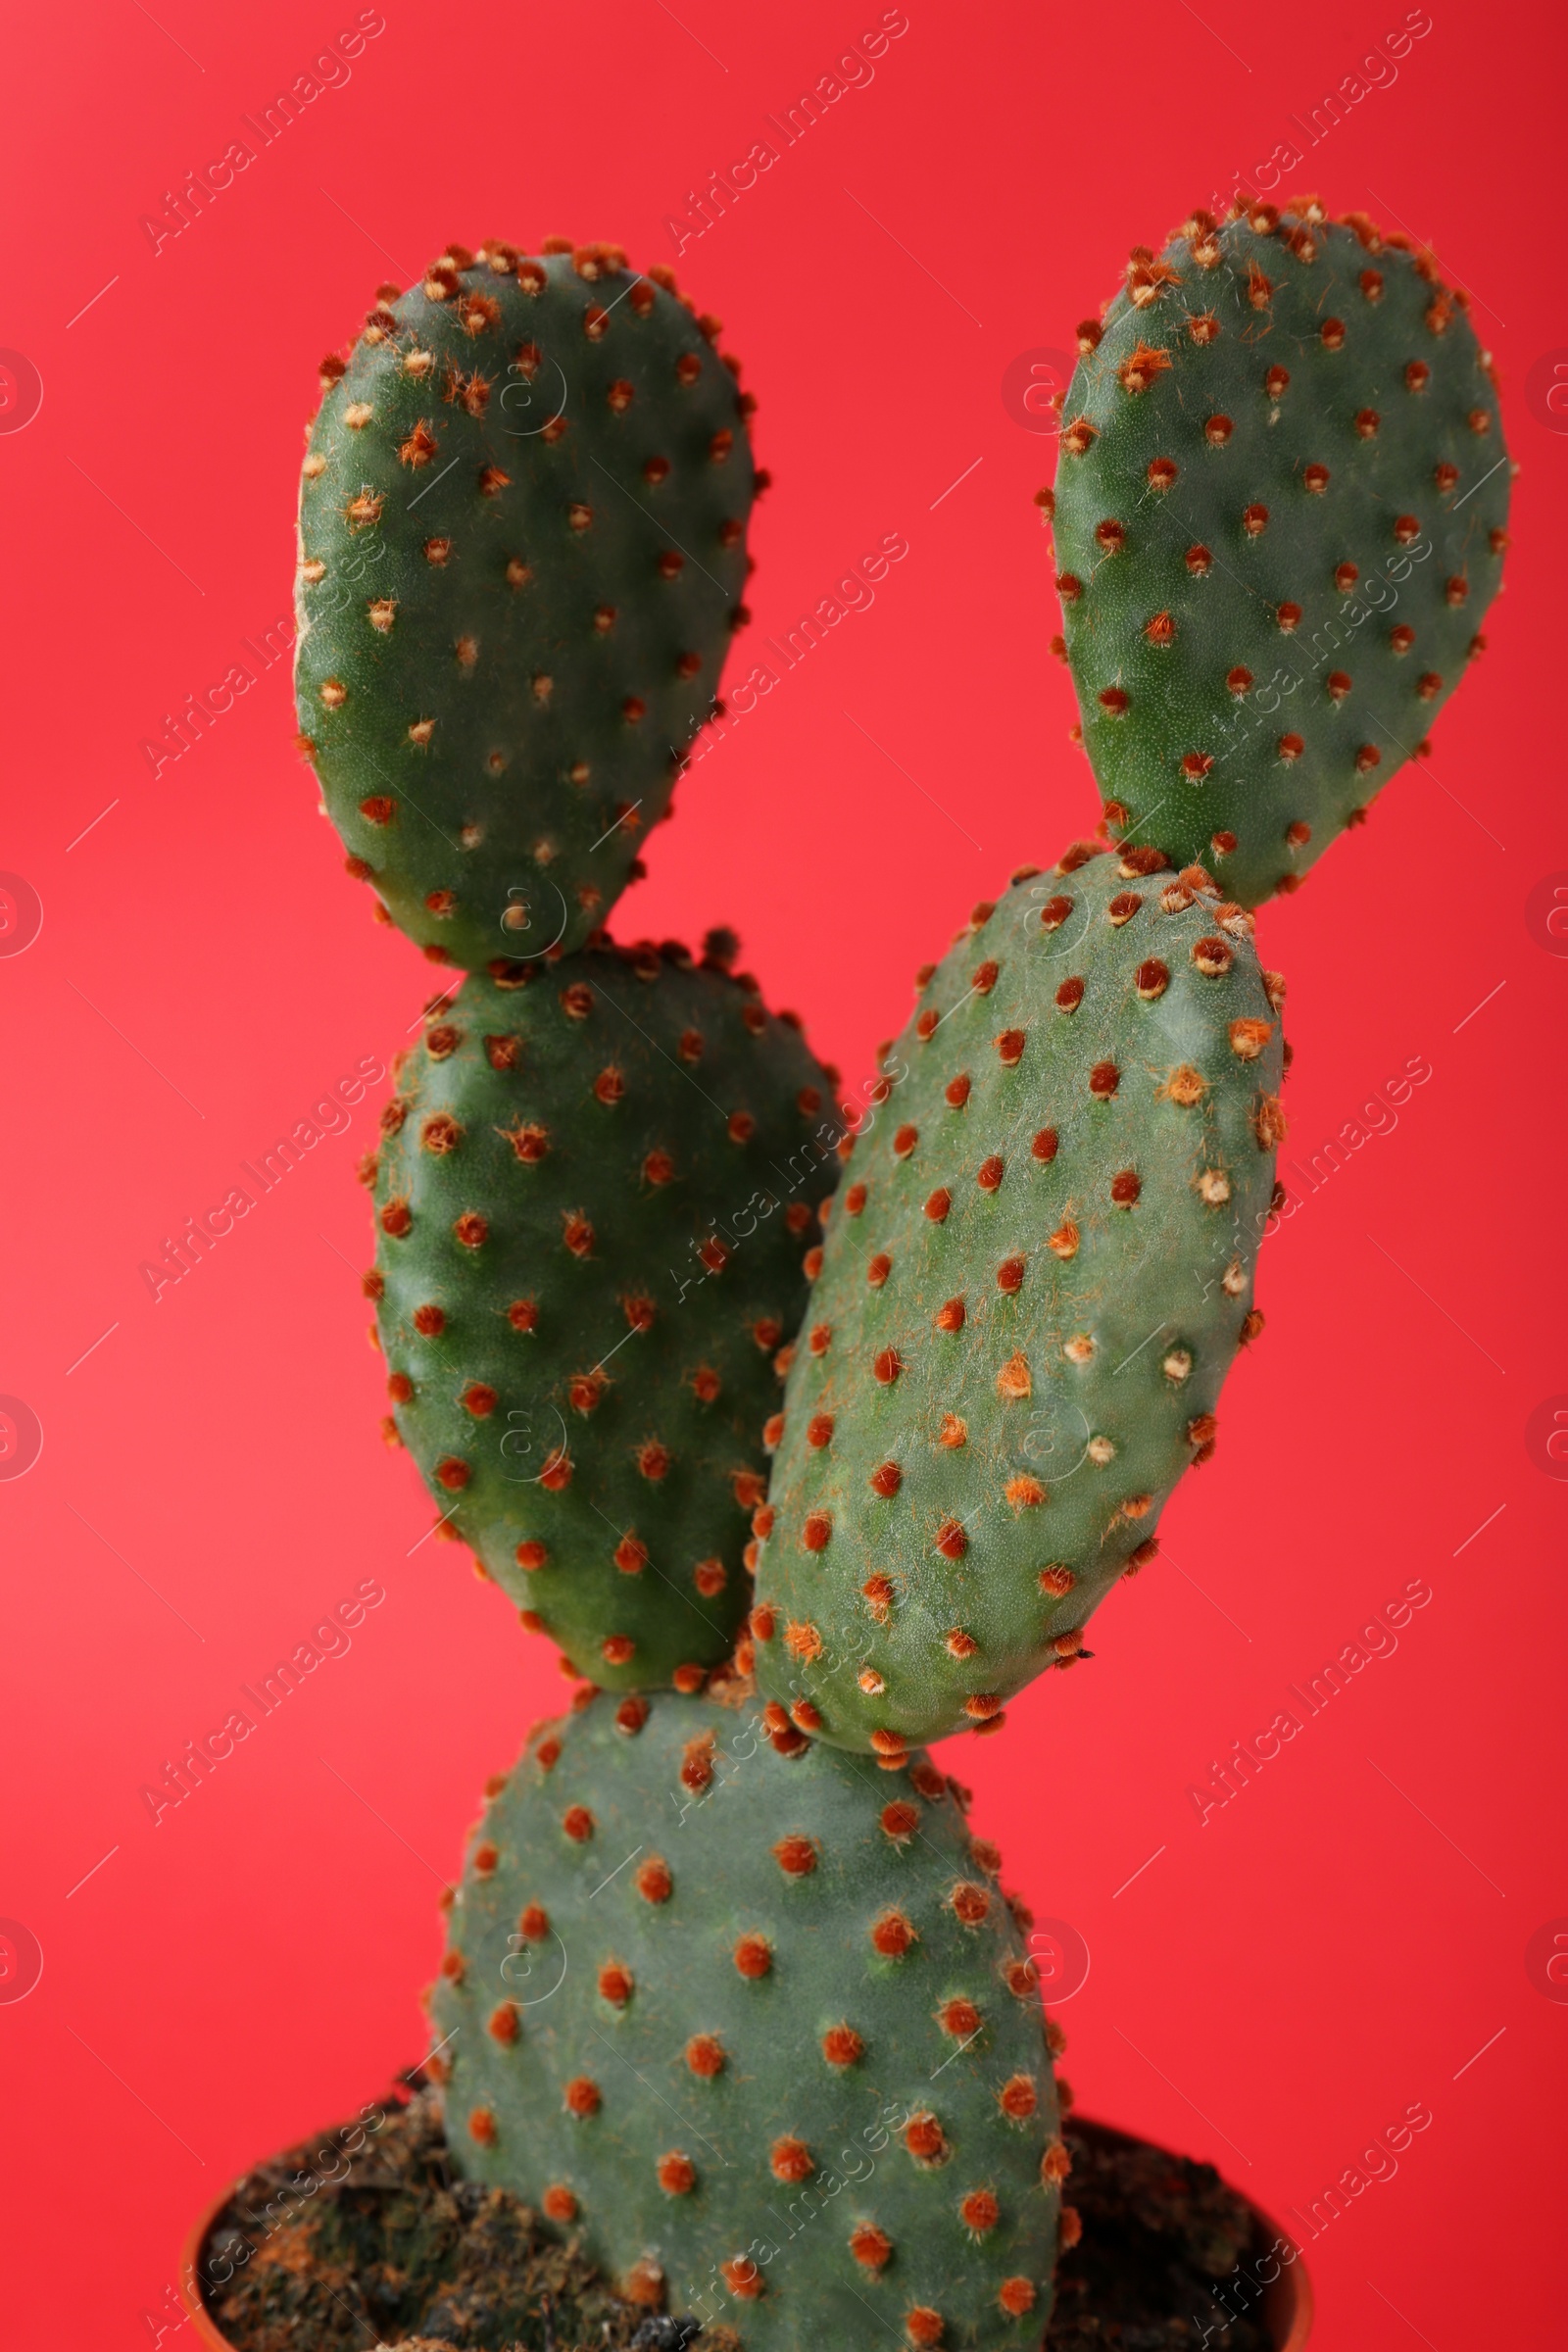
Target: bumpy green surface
[
  {"x": 657, "y": 1928},
  {"x": 595, "y": 1194},
  {"x": 522, "y": 550},
  {"x": 1280, "y": 514},
  {"x": 1035, "y": 1283}
]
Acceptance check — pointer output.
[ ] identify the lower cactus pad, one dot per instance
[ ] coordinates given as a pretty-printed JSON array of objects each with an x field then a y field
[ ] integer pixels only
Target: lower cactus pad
[{"x": 758, "y": 2025}]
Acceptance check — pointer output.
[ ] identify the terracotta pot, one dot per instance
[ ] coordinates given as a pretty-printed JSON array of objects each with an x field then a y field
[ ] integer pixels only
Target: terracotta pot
[
  {"x": 1287, "y": 2300},
  {"x": 203, "y": 2326}
]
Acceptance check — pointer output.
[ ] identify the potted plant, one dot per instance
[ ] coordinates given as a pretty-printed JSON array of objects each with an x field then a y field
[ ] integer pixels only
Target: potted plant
[{"x": 810, "y": 1434}]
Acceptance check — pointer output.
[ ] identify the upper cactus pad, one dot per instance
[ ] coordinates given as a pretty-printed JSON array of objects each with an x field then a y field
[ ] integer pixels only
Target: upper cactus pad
[
  {"x": 762, "y": 2027},
  {"x": 595, "y": 1194},
  {"x": 1033, "y": 1286},
  {"x": 522, "y": 545},
  {"x": 1280, "y": 511}
]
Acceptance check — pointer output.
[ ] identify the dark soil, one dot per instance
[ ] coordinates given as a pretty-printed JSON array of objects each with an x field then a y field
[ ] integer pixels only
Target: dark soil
[
  {"x": 366, "y": 2237},
  {"x": 1168, "y": 2254}
]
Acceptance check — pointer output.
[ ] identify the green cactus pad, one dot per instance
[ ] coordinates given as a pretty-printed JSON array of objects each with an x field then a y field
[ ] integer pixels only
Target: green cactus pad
[
  {"x": 761, "y": 2028},
  {"x": 522, "y": 545},
  {"x": 1032, "y": 1291},
  {"x": 595, "y": 1195},
  {"x": 1280, "y": 516}
]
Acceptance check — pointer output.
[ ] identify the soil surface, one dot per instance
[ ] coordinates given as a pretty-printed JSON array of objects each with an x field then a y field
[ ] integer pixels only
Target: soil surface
[
  {"x": 366, "y": 2237},
  {"x": 1168, "y": 2259}
]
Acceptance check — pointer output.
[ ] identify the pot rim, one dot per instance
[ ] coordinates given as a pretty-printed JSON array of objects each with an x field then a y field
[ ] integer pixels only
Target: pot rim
[{"x": 1288, "y": 2303}]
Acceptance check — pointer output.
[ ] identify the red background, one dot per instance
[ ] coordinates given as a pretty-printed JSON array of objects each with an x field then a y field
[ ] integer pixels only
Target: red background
[{"x": 1335, "y": 1945}]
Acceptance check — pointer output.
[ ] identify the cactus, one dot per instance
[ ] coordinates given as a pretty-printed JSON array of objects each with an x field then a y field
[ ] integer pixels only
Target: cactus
[
  {"x": 1280, "y": 515},
  {"x": 1032, "y": 1292},
  {"x": 593, "y": 1215},
  {"x": 523, "y": 544},
  {"x": 755, "y": 2022},
  {"x": 791, "y": 2067}
]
